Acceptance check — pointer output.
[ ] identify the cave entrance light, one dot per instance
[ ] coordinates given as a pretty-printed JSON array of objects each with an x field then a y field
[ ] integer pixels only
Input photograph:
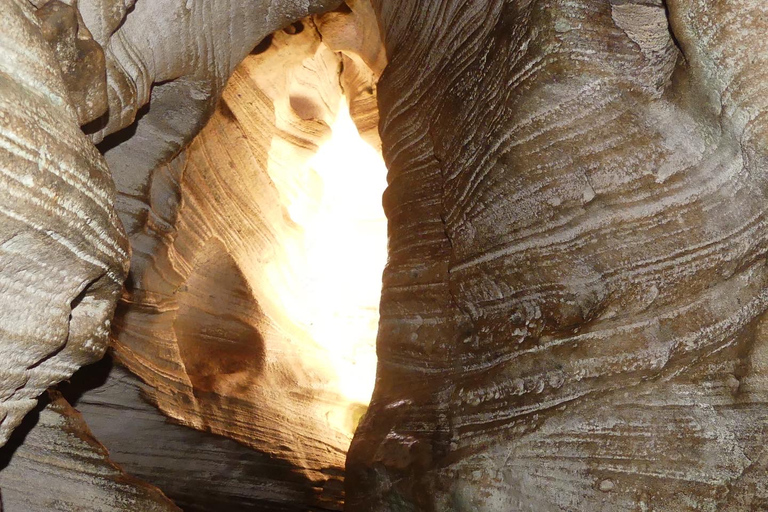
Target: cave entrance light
[{"x": 345, "y": 250}]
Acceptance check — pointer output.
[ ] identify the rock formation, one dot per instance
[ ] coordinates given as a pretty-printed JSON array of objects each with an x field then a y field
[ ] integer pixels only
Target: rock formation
[
  {"x": 63, "y": 253},
  {"x": 573, "y": 312},
  {"x": 60, "y": 466},
  {"x": 203, "y": 319},
  {"x": 200, "y": 472}
]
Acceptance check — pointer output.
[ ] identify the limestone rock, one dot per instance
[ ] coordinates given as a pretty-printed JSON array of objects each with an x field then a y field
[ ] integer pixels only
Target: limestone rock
[
  {"x": 572, "y": 310},
  {"x": 81, "y": 59},
  {"x": 167, "y": 65},
  {"x": 63, "y": 253},
  {"x": 60, "y": 466}
]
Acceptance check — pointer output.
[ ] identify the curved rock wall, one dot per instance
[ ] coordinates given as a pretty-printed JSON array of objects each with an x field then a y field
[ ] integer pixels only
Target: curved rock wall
[
  {"x": 63, "y": 253},
  {"x": 572, "y": 311},
  {"x": 205, "y": 319},
  {"x": 201, "y": 320}
]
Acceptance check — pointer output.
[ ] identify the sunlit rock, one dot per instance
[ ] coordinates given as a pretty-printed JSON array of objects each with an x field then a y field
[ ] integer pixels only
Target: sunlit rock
[{"x": 252, "y": 305}]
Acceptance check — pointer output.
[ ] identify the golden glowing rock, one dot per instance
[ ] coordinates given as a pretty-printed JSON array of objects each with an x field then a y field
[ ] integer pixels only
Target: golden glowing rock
[{"x": 252, "y": 306}]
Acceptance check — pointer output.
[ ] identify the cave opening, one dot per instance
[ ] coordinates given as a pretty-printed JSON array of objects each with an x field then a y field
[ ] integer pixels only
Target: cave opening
[
  {"x": 279, "y": 244},
  {"x": 338, "y": 262}
]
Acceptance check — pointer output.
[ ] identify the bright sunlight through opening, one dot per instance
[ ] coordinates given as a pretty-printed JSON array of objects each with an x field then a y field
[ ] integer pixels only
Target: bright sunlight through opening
[{"x": 344, "y": 252}]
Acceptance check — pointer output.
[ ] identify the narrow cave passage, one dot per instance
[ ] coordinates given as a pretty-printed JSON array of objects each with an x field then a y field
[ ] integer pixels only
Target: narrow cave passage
[
  {"x": 574, "y": 311},
  {"x": 243, "y": 350}
]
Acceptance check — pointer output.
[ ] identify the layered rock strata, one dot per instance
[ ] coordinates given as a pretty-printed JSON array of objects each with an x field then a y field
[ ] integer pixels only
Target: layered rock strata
[
  {"x": 573, "y": 309},
  {"x": 57, "y": 465},
  {"x": 63, "y": 253}
]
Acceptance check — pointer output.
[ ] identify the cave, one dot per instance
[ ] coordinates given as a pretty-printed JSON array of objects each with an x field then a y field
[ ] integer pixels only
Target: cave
[{"x": 383, "y": 255}]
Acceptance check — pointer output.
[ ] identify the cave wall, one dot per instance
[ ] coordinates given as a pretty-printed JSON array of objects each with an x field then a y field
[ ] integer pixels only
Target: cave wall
[
  {"x": 572, "y": 314},
  {"x": 63, "y": 253},
  {"x": 97, "y": 64},
  {"x": 201, "y": 323},
  {"x": 573, "y": 309},
  {"x": 198, "y": 471},
  {"x": 199, "y": 320}
]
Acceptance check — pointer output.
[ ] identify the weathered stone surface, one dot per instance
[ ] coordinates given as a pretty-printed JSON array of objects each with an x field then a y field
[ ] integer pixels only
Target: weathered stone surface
[
  {"x": 198, "y": 471},
  {"x": 80, "y": 58},
  {"x": 573, "y": 308},
  {"x": 207, "y": 319},
  {"x": 63, "y": 253},
  {"x": 57, "y": 465}
]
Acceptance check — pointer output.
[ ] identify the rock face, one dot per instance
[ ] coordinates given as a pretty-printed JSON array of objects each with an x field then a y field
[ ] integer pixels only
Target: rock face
[
  {"x": 573, "y": 315},
  {"x": 60, "y": 466},
  {"x": 573, "y": 309},
  {"x": 199, "y": 471},
  {"x": 63, "y": 253},
  {"x": 209, "y": 316}
]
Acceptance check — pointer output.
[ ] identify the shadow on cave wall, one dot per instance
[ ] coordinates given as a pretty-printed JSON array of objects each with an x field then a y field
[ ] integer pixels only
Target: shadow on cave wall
[
  {"x": 200, "y": 472},
  {"x": 20, "y": 433}
]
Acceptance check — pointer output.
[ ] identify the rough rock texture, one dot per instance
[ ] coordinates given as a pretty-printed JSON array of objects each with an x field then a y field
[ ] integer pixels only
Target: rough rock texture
[
  {"x": 167, "y": 64},
  {"x": 573, "y": 308},
  {"x": 57, "y": 465},
  {"x": 207, "y": 319},
  {"x": 80, "y": 58},
  {"x": 198, "y": 471},
  {"x": 63, "y": 253}
]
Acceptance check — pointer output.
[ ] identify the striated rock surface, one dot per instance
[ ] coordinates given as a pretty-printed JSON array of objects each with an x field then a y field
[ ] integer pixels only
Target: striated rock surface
[
  {"x": 573, "y": 309},
  {"x": 198, "y": 471},
  {"x": 57, "y": 465},
  {"x": 63, "y": 253},
  {"x": 213, "y": 316}
]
